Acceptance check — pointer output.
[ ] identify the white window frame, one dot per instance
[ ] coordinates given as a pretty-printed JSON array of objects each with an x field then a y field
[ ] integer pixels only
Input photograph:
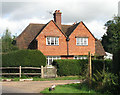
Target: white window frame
[
  {"x": 82, "y": 41},
  {"x": 80, "y": 57},
  {"x": 55, "y": 43},
  {"x": 53, "y": 58}
]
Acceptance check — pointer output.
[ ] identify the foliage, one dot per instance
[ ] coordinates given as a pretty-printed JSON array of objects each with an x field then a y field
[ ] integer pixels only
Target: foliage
[
  {"x": 7, "y": 40},
  {"x": 111, "y": 40},
  {"x": 71, "y": 89},
  {"x": 31, "y": 58},
  {"x": 110, "y": 84},
  {"x": 116, "y": 62},
  {"x": 69, "y": 67}
]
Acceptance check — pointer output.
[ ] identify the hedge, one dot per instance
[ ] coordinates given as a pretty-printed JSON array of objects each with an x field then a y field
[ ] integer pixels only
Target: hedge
[
  {"x": 24, "y": 58},
  {"x": 67, "y": 67}
]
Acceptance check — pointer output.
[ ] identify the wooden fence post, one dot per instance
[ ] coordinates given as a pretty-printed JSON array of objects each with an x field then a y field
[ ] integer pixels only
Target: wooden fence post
[
  {"x": 90, "y": 68},
  {"x": 20, "y": 71},
  {"x": 42, "y": 73}
]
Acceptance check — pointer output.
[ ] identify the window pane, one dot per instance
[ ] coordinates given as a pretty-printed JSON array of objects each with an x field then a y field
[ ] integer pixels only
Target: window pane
[
  {"x": 52, "y": 40},
  {"x": 56, "y": 40},
  {"x": 81, "y": 41},
  {"x": 85, "y": 41},
  {"x": 78, "y": 41},
  {"x": 48, "y": 40}
]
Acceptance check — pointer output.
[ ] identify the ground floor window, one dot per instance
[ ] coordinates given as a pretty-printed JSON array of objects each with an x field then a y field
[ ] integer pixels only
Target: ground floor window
[
  {"x": 51, "y": 58},
  {"x": 80, "y": 57}
]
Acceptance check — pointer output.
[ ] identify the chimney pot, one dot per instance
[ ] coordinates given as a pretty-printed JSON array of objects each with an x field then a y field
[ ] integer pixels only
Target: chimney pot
[{"x": 57, "y": 18}]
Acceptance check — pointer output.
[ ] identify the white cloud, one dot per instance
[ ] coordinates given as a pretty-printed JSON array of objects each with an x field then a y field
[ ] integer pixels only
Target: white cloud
[
  {"x": 95, "y": 13},
  {"x": 16, "y": 27}
]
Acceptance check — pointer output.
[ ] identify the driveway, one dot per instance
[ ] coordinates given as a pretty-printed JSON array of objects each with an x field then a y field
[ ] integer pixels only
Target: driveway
[{"x": 32, "y": 86}]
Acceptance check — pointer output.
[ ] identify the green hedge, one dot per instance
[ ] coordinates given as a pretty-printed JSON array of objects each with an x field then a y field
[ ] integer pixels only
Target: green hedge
[
  {"x": 67, "y": 67},
  {"x": 25, "y": 58},
  {"x": 97, "y": 65}
]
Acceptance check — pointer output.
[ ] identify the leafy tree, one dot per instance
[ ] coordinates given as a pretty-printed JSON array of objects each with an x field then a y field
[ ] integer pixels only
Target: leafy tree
[
  {"x": 111, "y": 43},
  {"x": 111, "y": 39},
  {"x": 7, "y": 40}
]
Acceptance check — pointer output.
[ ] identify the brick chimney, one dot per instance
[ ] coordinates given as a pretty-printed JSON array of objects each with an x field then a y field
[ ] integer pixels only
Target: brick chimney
[{"x": 57, "y": 18}]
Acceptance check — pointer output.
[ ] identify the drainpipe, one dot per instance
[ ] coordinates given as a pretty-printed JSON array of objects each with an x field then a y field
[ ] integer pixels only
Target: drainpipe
[{"x": 67, "y": 39}]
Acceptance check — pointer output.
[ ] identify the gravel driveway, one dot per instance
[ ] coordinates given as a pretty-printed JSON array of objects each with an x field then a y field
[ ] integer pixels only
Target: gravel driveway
[{"x": 32, "y": 86}]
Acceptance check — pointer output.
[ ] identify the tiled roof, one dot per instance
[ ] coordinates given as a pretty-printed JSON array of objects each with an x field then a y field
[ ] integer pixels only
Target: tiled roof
[
  {"x": 68, "y": 29},
  {"x": 28, "y": 35},
  {"x": 33, "y": 30},
  {"x": 99, "y": 50}
]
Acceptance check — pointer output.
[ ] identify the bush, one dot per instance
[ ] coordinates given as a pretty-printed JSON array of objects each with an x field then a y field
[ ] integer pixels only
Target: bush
[
  {"x": 98, "y": 65},
  {"x": 67, "y": 67},
  {"x": 24, "y": 58},
  {"x": 110, "y": 84}
]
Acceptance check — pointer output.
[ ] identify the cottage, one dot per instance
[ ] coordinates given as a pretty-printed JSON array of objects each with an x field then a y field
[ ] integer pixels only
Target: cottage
[{"x": 57, "y": 41}]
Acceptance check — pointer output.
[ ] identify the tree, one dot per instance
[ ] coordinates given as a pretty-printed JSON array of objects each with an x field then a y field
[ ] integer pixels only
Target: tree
[
  {"x": 111, "y": 43},
  {"x": 7, "y": 40},
  {"x": 111, "y": 39}
]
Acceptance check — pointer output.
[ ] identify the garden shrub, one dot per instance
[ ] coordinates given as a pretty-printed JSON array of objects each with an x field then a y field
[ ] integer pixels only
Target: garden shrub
[
  {"x": 67, "y": 67},
  {"x": 99, "y": 67},
  {"x": 24, "y": 58}
]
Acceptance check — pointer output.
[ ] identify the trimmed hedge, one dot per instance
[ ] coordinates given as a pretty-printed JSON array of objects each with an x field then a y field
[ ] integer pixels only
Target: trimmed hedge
[
  {"x": 67, "y": 67},
  {"x": 24, "y": 58}
]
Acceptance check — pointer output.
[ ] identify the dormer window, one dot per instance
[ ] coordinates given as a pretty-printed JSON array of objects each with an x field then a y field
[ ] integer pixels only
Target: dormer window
[
  {"x": 52, "y": 41},
  {"x": 82, "y": 41}
]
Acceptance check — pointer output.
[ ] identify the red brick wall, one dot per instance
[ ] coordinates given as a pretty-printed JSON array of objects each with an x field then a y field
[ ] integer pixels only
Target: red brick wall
[
  {"x": 81, "y": 50},
  {"x": 52, "y": 30}
]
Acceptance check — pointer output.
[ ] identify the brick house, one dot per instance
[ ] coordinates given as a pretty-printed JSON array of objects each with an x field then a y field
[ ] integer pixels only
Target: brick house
[{"x": 57, "y": 41}]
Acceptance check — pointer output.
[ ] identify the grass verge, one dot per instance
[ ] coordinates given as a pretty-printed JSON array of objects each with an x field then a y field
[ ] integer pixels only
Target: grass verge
[
  {"x": 71, "y": 88},
  {"x": 46, "y": 79}
]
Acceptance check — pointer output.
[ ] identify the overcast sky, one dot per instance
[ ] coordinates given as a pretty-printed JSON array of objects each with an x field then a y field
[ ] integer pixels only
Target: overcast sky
[{"x": 16, "y": 15}]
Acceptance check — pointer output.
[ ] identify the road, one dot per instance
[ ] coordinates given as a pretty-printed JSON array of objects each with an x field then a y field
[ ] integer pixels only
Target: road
[{"x": 32, "y": 86}]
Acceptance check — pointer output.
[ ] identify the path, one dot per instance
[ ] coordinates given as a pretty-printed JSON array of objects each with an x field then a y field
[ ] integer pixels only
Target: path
[{"x": 31, "y": 86}]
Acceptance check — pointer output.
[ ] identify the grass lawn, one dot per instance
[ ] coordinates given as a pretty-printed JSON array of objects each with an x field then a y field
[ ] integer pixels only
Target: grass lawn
[
  {"x": 58, "y": 78},
  {"x": 71, "y": 88},
  {"x": 46, "y": 79}
]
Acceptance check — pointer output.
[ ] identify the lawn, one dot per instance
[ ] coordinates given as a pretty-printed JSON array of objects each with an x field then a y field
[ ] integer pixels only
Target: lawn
[
  {"x": 46, "y": 79},
  {"x": 71, "y": 88},
  {"x": 58, "y": 78}
]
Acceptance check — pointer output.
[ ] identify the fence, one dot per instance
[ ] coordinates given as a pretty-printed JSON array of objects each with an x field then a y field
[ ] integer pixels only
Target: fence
[
  {"x": 20, "y": 71},
  {"x": 44, "y": 71}
]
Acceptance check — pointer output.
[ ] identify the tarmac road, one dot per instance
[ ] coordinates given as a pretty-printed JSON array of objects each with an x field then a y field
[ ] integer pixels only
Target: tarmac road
[{"x": 32, "y": 86}]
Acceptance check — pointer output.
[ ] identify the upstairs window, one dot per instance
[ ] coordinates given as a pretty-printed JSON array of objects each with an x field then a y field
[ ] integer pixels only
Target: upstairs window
[
  {"x": 52, "y": 40},
  {"x": 82, "y": 41}
]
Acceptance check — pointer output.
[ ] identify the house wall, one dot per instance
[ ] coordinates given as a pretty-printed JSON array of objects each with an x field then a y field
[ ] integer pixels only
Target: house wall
[
  {"x": 81, "y": 31},
  {"x": 52, "y": 30}
]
